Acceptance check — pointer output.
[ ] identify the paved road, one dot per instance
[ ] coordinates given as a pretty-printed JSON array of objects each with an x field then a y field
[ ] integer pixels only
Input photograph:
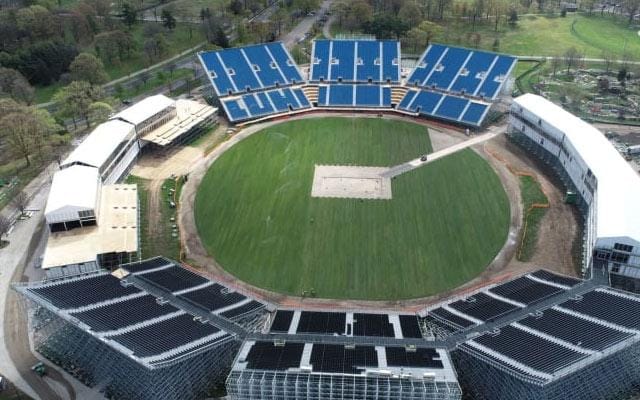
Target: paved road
[
  {"x": 12, "y": 258},
  {"x": 291, "y": 38}
]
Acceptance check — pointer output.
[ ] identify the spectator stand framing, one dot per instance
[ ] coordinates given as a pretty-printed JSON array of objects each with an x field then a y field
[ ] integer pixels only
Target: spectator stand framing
[
  {"x": 148, "y": 330},
  {"x": 452, "y": 84},
  {"x": 254, "y": 82}
]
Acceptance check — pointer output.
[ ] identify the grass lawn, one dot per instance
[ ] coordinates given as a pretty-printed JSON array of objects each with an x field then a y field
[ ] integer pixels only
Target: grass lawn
[
  {"x": 445, "y": 223},
  {"x": 542, "y": 35},
  {"x": 531, "y": 194}
]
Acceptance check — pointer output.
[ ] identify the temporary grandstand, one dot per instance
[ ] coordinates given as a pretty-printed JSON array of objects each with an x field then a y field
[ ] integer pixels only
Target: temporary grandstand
[
  {"x": 162, "y": 121},
  {"x": 151, "y": 330},
  {"x": 156, "y": 330},
  {"x": 314, "y": 371},
  {"x": 607, "y": 188},
  {"x": 585, "y": 346},
  {"x": 452, "y": 84}
]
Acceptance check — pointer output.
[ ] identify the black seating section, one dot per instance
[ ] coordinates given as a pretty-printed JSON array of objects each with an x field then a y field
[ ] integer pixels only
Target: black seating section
[
  {"x": 247, "y": 308},
  {"x": 147, "y": 265},
  {"x": 449, "y": 317},
  {"x": 282, "y": 321},
  {"x": 417, "y": 358},
  {"x": 409, "y": 326},
  {"x": 174, "y": 279},
  {"x": 574, "y": 330},
  {"x": 530, "y": 350},
  {"x": 372, "y": 325},
  {"x": 268, "y": 356},
  {"x": 559, "y": 279},
  {"x": 119, "y": 315},
  {"x": 82, "y": 292},
  {"x": 439, "y": 325},
  {"x": 322, "y": 322},
  {"x": 482, "y": 307},
  {"x": 164, "y": 336},
  {"x": 525, "y": 290},
  {"x": 213, "y": 297},
  {"x": 335, "y": 358},
  {"x": 608, "y": 307}
]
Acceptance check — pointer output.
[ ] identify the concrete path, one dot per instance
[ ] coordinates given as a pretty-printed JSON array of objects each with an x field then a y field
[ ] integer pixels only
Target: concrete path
[{"x": 417, "y": 162}]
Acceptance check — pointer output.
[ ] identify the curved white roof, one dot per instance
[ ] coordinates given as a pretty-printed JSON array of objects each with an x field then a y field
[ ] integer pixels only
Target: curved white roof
[
  {"x": 96, "y": 148},
  {"x": 618, "y": 192},
  {"x": 74, "y": 188},
  {"x": 144, "y": 109}
]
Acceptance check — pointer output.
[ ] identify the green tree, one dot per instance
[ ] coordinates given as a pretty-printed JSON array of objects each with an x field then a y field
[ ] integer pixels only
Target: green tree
[
  {"x": 168, "y": 20},
  {"x": 99, "y": 112},
  {"x": 86, "y": 67},
  {"x": 75, "y": 99},
  {"x": 24, "y": 129},
  {"x": 411, "y": 13},
  {"x": 15, "y": 85},
  {"x": 128, "y": 14}
]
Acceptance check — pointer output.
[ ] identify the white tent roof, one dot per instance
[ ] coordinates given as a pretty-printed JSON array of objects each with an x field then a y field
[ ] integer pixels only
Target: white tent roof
[
  {"x": 96, "y": 148},
  {"x": 618, "y": 193},
  {"x": 144, "y": 109},
  {"x": 76, "y": 186}
]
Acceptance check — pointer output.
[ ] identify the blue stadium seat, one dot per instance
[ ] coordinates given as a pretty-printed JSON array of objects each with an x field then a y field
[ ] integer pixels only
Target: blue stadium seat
[
  {"x": 250, "y": 68},
  {"x": 425, "y": 102},
  {"x": 407, "y": 99},
  {"x": 221, "y": 81},
  {"x": 490, "y": 87},
  {"x": 450, "y": 66},
  {"x": 474, "y": 113},
  {"x": 451, "y": 107},
  {"x": 302, "y": 99},
  {"x": 320, "y": 65},
  {"x": 341, "y": 95},
  {"x": 391, "y": 61},
  {"x": 368, "y": 61},
  {"x": 285, "y": 98},
  {"x": 426, "y": 64},
  {"x": 386, "y": 96},
  {"x": 285, "y": 62},
  {"x": 343, "y": 53},
  {"x": 476, "y": 68},
  {"x": 368, "y": 95},
  {"x": 268, "y": 72},
  {"x": 235, "y": 112},
  {"x": 243, "y": 74},
  {"x": 322, "y": 96}
]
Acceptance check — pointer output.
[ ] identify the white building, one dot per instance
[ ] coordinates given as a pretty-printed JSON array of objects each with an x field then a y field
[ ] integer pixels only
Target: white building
[
  {"x": 111, "y": 148},
  {"x": 163, "y": 121},
  {"x": 74, "y": 198},
  {"x": 607, "y": 186}
]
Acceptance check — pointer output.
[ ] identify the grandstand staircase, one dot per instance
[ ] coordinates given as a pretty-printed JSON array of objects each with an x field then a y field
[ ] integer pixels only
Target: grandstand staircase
[
  {"x": 311, "y": 91},
  {"x": 398, "y": 93}
]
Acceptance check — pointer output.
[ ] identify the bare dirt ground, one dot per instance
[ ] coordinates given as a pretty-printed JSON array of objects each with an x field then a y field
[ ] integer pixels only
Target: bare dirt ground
[{"x": 553, "y": 250}]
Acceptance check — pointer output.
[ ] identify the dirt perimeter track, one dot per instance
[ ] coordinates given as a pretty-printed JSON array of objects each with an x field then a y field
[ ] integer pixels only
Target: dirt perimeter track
[{"x": 557, "y": 229}]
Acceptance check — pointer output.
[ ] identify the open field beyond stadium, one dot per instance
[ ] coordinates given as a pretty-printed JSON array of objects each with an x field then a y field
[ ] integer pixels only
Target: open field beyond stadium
[{"x": 256, "y": 216}]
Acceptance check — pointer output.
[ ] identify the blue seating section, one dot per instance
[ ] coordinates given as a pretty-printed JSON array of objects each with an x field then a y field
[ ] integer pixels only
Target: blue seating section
[
  {"x": 261, "y": 104},
  {"x": 439, "y": 105},
  {"x": 356, "y": 61},
  {"x": 257, "y": 67},
  {"x": 366, "y": 96},
  {"x": 458, "y": 70}
]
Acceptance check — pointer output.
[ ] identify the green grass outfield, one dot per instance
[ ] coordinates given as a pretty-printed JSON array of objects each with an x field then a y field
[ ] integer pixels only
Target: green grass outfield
[{"x": 255, "y": 215}]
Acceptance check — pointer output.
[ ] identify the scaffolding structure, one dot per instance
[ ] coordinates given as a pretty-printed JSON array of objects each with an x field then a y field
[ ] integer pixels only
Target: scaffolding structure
[
  {"x": 278, "y": 385},
  {"x": 118, "y": 376},
  {"x": 612, "y": 376}
]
